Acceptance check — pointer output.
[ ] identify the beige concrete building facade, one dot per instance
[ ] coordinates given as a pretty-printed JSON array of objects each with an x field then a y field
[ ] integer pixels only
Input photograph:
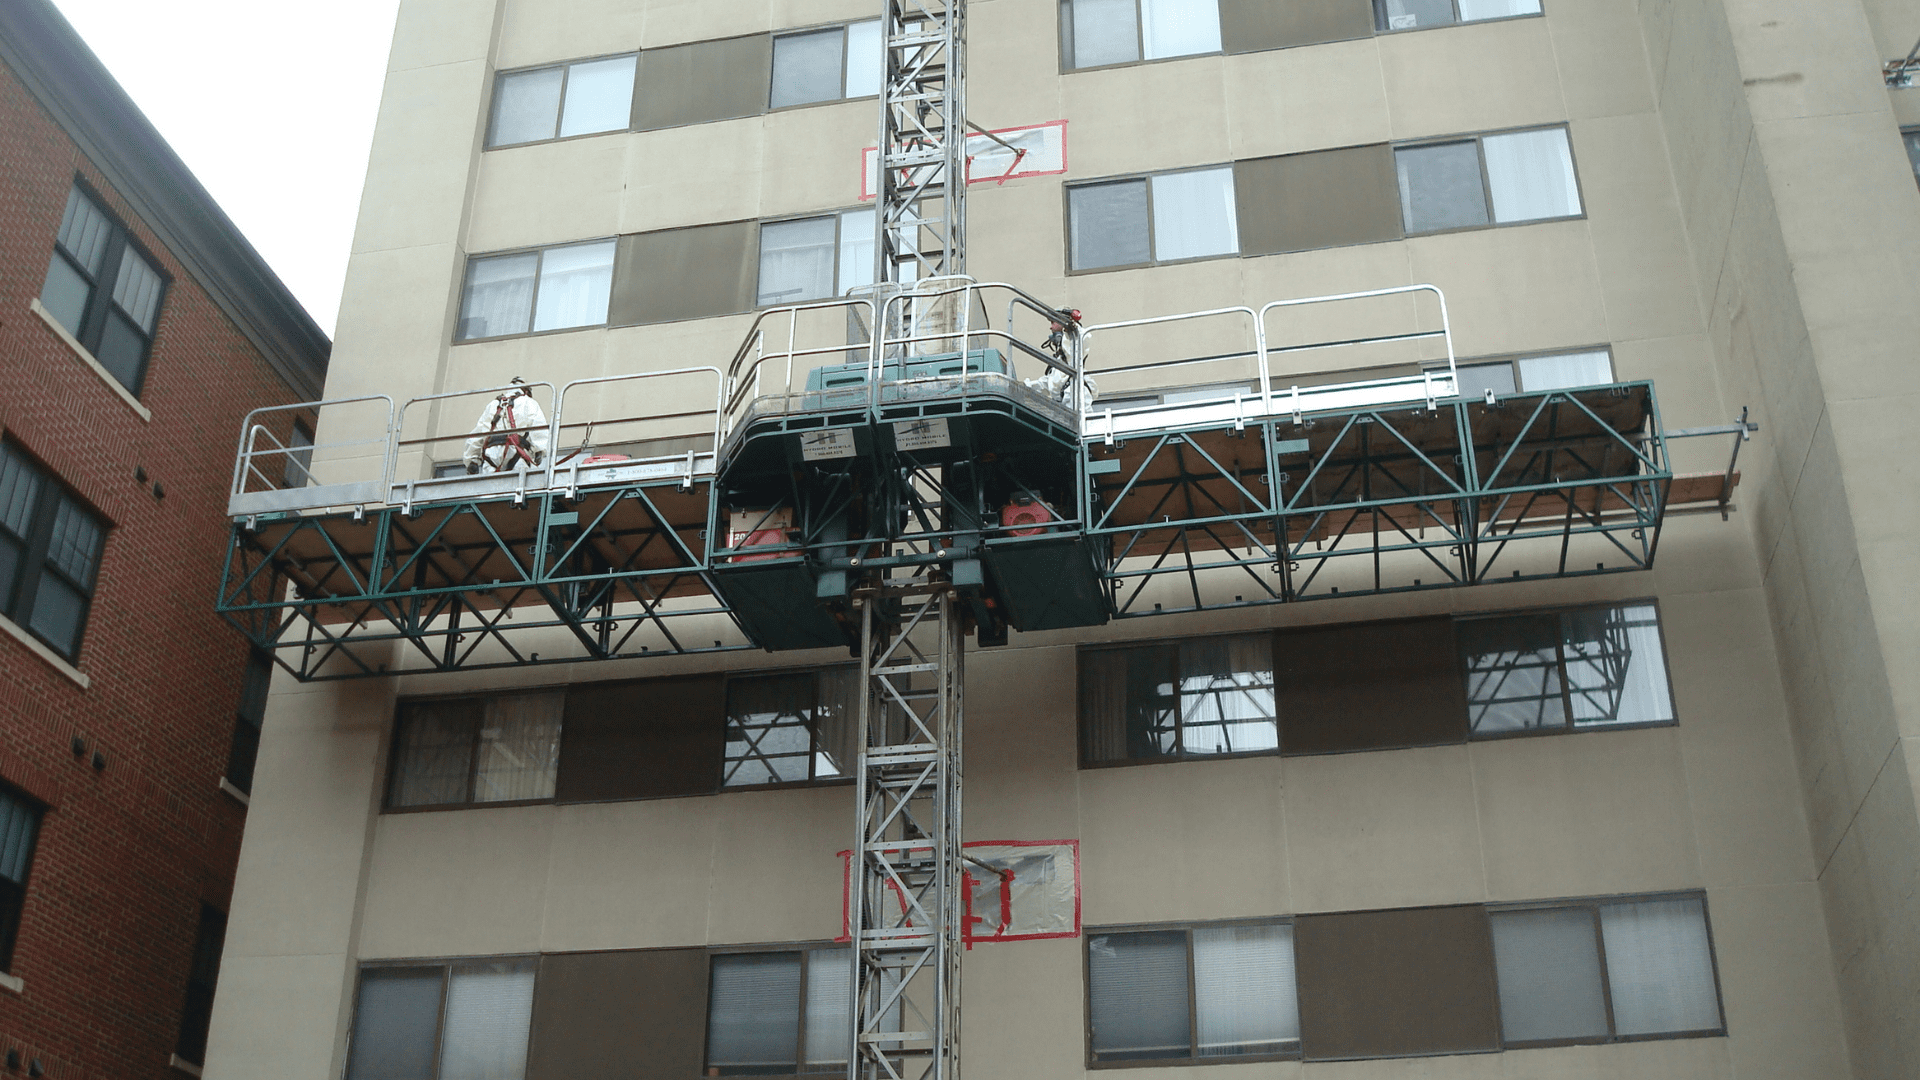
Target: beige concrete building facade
[{"x": 1743, "y": 230}]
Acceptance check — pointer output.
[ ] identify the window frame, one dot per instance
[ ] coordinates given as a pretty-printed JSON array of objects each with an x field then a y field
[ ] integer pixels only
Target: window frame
[
  {"x": 16, "y": 604},
  {"x": 846, "y": 65},
  {"x": 1593, "y": 904},
  {"x": 1478, "y": 139},
  {"x": 446, "y": 964},
  {"x": 814, "y": 744},
  {"x": 1066, "y": 36},
  {"x": 100, "y": 305},
  {"x": 1666, "y": 670},
  {"x": 539, "y": 274},
  {"x": 1153, "y": 243},
  {"x": 566, "y": 75},
  {"x": 839, "y": 217},
  {"x": 803, "y": 948},
  {"x": 1174, "y": 643},
  {"x": 1512, "y": 363},
  {"x": 10, "y": 926},
  {"x": 1089, "y": 1061},
  {"x": 1378, "y": 31},
  {"x": 473, "y": 751}
]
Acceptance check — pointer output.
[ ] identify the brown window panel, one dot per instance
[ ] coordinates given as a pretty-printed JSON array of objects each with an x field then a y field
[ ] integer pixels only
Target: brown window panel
[
  {"x": 1254, "y": 25},
  {"x": 642, "y": 740},
  {"x": 1377, "y": 984},
  {"x": 702, "y": 81},
  {"x": 1328, "y": 198},
  {"x": 632, "y": 1015},
  {"x": 1369, "y": 686},
  {"x": 690, "y": 273}
]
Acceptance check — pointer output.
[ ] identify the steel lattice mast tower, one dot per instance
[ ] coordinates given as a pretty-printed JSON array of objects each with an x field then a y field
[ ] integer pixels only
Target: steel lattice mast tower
[{"x": 906, "y": 902}]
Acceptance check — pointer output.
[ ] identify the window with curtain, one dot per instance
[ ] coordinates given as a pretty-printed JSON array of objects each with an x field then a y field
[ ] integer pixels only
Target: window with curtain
[
  {"x": 1603, "y": 970},
  {"x": 104, "y": 290},
  {"x": 1560, "y": 671},
  {"x": 477, "y": 750},
  {"x": 792, "y": 728},
  {"x": 1204, "y": 697},
  {"x": 779, "y": 1013},
  {"x": 1425, "y": 14},
  {"x": 50, "y": 549},
  {"x": 582, "y": 98},
  {"x": 1167, "y": 217},
  {"x": 557, "y": 288},
  {"x": 1095, "y": 33},
  {"x": 467, "y": 1020},
  {"x": 826, "y": 65},
  {"x": 1207, "y": 992},
  {"x": 1530, "y": 374},
  {"x": 1502, "y": 179},
  {"x": 815, "y": 258},
  {"x": 19, "y": 829}
]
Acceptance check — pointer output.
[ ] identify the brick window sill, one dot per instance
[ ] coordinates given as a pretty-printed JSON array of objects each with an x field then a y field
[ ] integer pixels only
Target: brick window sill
[
  {"x": 86, "y": 358},
  {"x": 38, "y": 648},
  {"x": 14, "y": 983}
]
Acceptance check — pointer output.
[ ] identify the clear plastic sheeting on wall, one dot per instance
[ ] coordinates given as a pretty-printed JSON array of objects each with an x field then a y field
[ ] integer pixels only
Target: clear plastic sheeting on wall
[{"x": 1040, "y": 900}]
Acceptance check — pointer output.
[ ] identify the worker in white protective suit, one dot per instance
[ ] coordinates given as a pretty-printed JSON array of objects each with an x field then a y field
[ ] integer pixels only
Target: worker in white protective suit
[
  {"x": 501, "y": 441},
  {"x": 1055, "y": 383}
]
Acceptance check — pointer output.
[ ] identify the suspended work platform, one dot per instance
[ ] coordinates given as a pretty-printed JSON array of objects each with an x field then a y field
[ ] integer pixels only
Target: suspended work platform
[{"x": 952, "y": 427}]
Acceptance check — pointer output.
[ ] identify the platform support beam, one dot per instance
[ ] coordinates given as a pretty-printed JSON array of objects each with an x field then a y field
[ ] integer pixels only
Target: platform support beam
[{"x": 907, "y": 893}]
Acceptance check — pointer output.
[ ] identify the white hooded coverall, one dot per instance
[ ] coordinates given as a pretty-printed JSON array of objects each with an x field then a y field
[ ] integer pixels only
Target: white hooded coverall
[{"x": 500, "y": 419}]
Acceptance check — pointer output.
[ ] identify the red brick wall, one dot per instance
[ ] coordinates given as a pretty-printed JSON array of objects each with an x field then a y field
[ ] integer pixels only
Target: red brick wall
[{"x": 127, "y": 854}]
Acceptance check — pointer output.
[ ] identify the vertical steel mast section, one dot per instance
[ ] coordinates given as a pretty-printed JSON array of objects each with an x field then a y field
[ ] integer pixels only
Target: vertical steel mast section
[{"x": 905, "y": 905}]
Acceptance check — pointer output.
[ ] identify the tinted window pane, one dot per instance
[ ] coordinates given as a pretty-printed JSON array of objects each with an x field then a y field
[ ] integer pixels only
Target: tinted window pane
[
  {"x": 85, "y": 231},
  {"x": 864, "y": 65},
  {"x": 1548, "y": 964},
  {"x": 1243, "y": 989},
  {"x": 1496, "y": 9},
  {"x": 806, "y": 67},
  {"x": 1477, "y": 379},
  {"x": 1565, "y": 370},
  {"x": 1104, "y": 32},
  {"x": 137, "y": 290},
  {"x": 1412, "y": 14},
  {"x": 1440, "y": 187},
  {"x": 574, "y": 285},
  {"x": 75, "y": 545},
  {"x": 1108, "y": 224},
  {"x": 10, "y": 553},
  {"x": 769, "y": 729},
  {"x": 1530, "y": 174},
  {"x": 19, "y": 491},
  {"x": 433, "y": 752},
  {"x": 1128, "y": 706},
  {"x": 1659, "y": 967},
  {"x": 1226, "y": 695},
  {"x": 499, "y": 297},
  {"x": 526, "y": 106},
  {"x": 395, "y": 1023},
  {"x": 1616, "y": 669},
  {"x": 1513, "y": 673},
  {"x": 829, "y": 999},
  {"x": 1179, "y": 27},
  {"x": 796, "y": 261},
  {"x": 57, "y": 610},
  {"x": 599, "y": 96},
  {"x": 489, "y": 1010},
  {"x": 122, "y": 351},
  {"x": 519, "y": 747},
  {"x": 19, "y": 824},
  {"x": 753, "y": 1015},
  {"x": 1193, "y": 215},
  {"x": 856, "y": 249},
  {"x": 65, "y": 293},
  {"x": 1137, "y": 995}
]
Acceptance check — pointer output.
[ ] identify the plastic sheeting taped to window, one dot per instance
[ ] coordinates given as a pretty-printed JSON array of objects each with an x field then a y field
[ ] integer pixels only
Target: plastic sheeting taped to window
[
  {"x": 1009, "y": 154},
  {"x": 1041, "y": 898}
]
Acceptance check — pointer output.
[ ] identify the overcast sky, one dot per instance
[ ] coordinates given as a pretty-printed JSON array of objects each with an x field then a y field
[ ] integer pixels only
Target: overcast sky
[{"x": 270, "y": 103}]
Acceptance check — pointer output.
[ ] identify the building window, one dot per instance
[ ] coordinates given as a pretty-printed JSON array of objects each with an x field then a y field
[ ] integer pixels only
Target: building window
[
  {"x": 1205, "y": 697},
  {"x": 460, "y": 751},
  {"x": 789, "y": 729},
  {"x": 556, "y": 288},
  {"x": 1565, "y": 671},
  {"x": 1211, "y": 992},
  {"x": 201, "y": 978},
  {"x": 19, "y": 828},
  {"x": 1424, "y": 14},
  {"x": 1100, "y": 32},
  {"x": 779, "y": 1013},
  {"x": 1912, "y": 139},
  {"x": 104, "y": 290},
  {"x": 1529, "y": 374},
  {"x": 49, "y": 553},
  {"x": 1503, "y": 179},
  {"x": 461, "y": 1021},
  {"x": 1151, "y": 219},
  {"x": 299, "y": 469},
  {"x": 583, "y": 98},
  {"x": 246, "y": 724},
  {"x": 1605, "y": 970},
  {"x": 826, "y": 65},
  {"x": 815, "y": 258}
]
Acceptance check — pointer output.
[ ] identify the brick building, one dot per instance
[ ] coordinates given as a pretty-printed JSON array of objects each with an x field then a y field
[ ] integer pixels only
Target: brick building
[{"x": 137, "y": 328}]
